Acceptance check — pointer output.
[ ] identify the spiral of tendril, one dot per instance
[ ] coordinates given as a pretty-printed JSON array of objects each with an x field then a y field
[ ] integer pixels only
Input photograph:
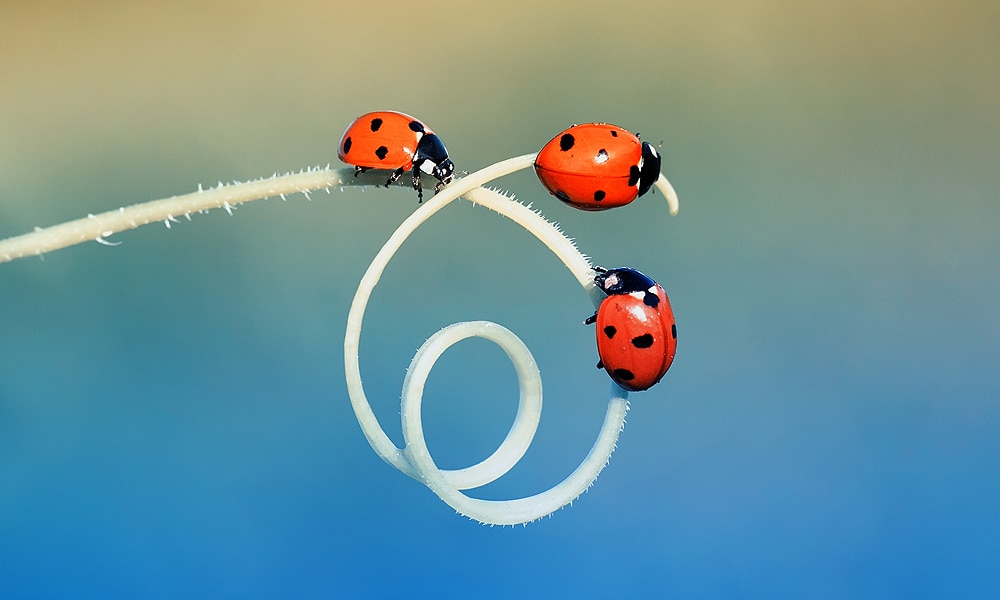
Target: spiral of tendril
[{"x": 414, "y": 459}]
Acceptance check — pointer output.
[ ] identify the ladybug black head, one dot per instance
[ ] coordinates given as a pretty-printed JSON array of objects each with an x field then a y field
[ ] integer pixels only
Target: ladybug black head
[
  {"x": 649, "y": 172},
  {"x": 622, "y": 281},
  {"x": 444, "y": 171},
  {"x": 432, "y": 158}
]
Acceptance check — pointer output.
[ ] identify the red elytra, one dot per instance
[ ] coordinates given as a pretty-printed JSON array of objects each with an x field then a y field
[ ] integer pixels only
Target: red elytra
[
  {"x": 382, "y": 140},
  {"x": 597, "y": 166}
]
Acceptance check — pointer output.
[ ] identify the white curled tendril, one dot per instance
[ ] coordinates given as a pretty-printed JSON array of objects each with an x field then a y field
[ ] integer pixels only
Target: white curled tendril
[{"x": 414, "y": 459}]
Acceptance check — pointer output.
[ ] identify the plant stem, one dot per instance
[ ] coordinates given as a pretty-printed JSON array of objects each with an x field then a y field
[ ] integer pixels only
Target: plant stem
[
  {"x": 98, "y": 227},
  {"x": 414, "y": 459}
]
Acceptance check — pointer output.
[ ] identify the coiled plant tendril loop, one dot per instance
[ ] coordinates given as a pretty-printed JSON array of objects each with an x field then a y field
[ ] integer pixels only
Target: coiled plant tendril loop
[{"x": 415, "y": 459}]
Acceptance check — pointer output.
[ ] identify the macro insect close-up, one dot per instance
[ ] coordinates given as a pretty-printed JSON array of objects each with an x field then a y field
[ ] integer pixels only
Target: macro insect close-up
[{"x": 290, "y": 289}]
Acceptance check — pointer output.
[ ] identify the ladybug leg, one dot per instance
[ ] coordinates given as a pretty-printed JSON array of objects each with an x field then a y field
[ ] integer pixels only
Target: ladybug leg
[
  {"x": 394, "y": 176},
  {"x": 359, "y": 170},
  {"x": 591, "y": 319},
  {"x": 416, "y": 184}
]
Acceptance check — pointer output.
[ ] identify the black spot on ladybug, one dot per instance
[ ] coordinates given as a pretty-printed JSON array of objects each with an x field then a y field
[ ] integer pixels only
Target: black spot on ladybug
[
  {"x": 651, "y": 299},
  {"x": 376, "y": 124},
  {"x": 614, "y": 133},
  {"x": 623, "y": 374},
  {"x": 602, "y": 156},
  {"x": 566, "y": 142},
  {"x": 416, "y": 126},
  {"x": 562, "y": 196},
  {"x": 633, "y": 175},
  {"x": 610, "y": 331},
  {"x": 381, "y": 152},
  {"x": 347, "y": 145},
  {"x": 673, "y": 330},
  {"x": 643, "y": 341},
  {"x": 599, "y": 195}
]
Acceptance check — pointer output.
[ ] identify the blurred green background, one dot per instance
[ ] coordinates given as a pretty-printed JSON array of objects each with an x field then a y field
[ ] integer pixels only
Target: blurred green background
[{"x": 173, "y": 416}]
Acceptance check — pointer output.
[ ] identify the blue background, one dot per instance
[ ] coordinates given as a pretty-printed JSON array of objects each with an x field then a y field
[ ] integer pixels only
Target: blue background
[{"x": 173, "y": 414}]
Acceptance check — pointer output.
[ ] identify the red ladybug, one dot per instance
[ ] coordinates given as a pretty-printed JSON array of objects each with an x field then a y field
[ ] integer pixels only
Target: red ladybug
[
  {"x": 597, "y": 166},
  {"x": 392, "y": 140},
  {"x": 636, "y": 331}
]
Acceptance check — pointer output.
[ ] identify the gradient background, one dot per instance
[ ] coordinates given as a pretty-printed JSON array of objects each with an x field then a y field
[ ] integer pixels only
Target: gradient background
[{"x": 173, "y": 415}]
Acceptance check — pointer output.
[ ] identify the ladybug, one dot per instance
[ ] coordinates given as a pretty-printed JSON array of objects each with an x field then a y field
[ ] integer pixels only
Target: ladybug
[
  {"x": 636, "y": 331},
  {"x": 393, "y": 140},
  {"x": 597, "y": 166}
]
